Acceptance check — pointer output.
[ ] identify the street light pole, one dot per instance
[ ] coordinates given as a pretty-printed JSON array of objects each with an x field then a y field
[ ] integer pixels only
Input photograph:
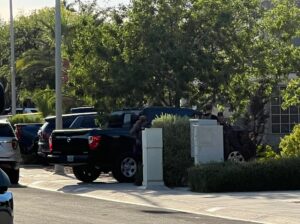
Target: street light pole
[
  {"x": 58, "y": 106},
  {"x": 12, "y": 61}
]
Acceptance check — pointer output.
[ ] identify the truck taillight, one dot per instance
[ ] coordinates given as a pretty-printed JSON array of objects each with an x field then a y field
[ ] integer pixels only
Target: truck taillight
[
  {"x": 94, "y": 142},
  {"x": 45, "y": 135},
  {"x": 18, "y": 132},
  {"x": 14, "y": 144},
  {"x": 50, "y": 144}
]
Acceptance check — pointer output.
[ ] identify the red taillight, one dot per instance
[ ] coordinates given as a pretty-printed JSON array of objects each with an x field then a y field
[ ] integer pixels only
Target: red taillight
[
  {"x": 50, "y": 144},
  {"x": 94, "y": 142},
  {"x": 18, "y": 132},
  {"x": 45, "y": 135},
  {"x": 14, "y": 144}
]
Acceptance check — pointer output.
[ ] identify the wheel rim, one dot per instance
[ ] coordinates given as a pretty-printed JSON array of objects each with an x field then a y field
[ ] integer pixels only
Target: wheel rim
[
  {"x": 236, "y": 156},
  {"x": 89, "y": 172},
  {"x": 128, "y": 167}
]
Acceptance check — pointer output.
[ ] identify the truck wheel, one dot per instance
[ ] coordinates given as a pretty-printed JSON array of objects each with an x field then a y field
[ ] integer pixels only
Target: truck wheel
[
  {"x": 86, "y": 174},
  {"x": 236, "y": 156},
  {"x": 14, "y": 176},
  {"x": 125, "y": 168}
]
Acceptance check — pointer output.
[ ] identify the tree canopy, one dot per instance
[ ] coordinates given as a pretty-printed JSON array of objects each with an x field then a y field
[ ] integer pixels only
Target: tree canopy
[{"x": 157, "y": 52}]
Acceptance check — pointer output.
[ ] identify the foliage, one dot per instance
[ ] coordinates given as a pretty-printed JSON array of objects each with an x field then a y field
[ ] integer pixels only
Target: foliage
[
  {"x": 176, "y": 148},
  {"x": 45, "y": 101},
  {"x": 156, "y": 52},
  {"x": 290, "y": 144},
  {"x": 282, "y": 174},
  {"x": 266, "y": 152},
  {"x": 291, "y": 93},
  {"x": 26, "y": 118}
]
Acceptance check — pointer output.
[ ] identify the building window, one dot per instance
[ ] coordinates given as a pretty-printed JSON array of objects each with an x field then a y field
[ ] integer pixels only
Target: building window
[{"x": 283, "y": 121}]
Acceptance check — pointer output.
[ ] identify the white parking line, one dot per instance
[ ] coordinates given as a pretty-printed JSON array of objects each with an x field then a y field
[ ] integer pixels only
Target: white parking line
[{"x": 214, "y": 209}]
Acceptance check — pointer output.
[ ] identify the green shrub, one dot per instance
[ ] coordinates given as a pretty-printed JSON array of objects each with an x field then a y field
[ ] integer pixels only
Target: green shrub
[
  {"x": 280, "y": 174},
  {"x": 26, "y": 118},
  {"x": 290, "y": 144},
  {"x": 45, "y": 101},
  {"x": 266, "y": 152},
  {"x": 176, "y": 148}
]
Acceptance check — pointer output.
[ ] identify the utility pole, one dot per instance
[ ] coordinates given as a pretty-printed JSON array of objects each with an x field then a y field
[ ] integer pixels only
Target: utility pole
[
  {"x": 58, "y": 104},
  {"x": 12, "y": 61}
]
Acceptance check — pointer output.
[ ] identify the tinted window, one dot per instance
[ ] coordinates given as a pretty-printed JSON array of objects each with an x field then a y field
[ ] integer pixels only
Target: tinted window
[
  {"x": 88, "y": 122},
  {"x": 48, "y": 126},
  {"x": 6, "y": 130},
  {"x": 115, "y": 121},
  {"x": 67, "y": 121}
]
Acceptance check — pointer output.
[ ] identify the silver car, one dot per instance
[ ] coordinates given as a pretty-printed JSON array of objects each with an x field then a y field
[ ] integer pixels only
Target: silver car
[{"x": 9, "y": 152}]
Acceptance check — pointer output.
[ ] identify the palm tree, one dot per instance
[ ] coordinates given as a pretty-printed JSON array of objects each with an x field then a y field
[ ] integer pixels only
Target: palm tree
[{"x": 36, "y": 68}]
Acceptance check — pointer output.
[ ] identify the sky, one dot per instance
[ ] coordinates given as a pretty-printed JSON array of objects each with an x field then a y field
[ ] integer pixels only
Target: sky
[{"x": 27, "y": 6}]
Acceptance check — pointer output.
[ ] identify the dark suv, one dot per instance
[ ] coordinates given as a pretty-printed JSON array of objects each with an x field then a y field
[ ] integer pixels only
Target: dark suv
[{"x": 70, "y": 121}]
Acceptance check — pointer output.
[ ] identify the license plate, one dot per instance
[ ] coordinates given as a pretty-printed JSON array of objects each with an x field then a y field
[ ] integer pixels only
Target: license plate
[{"x": 70, "y": 158}]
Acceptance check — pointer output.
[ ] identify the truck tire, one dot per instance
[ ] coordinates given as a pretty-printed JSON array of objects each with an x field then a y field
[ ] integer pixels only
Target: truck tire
[
  {"x": 86, "y": 174},
  {"x": 14, "y": 176},
  {"x": 236, "y": 156},
  {"x": 125, "y": 168}
]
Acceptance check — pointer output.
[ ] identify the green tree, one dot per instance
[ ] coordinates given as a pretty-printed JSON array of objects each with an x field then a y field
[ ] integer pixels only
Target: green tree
[{"x": 44, "y": 99}]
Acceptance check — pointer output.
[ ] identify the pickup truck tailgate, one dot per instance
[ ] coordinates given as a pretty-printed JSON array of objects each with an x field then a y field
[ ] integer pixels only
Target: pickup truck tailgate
[{"x": 70, "y": 142}]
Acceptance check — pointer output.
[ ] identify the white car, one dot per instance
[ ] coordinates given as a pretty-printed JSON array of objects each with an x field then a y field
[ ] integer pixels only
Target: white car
[{"x": 9, "y": 152}]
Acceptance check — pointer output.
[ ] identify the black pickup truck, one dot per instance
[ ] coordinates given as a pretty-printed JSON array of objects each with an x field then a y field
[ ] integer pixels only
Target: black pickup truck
[{"x": 92, "y": 151}]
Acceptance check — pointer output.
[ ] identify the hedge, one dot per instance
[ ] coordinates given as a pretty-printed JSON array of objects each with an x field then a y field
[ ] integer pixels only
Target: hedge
[
  {"x": 26, "y": 118},
  {"x": 176, "y": 149},
  {"x": 280, "y": 174}
]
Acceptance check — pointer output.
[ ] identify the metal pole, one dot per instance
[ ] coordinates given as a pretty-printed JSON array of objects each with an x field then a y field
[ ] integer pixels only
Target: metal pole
[
  {"x": 58, "y": 106},
  {"x": 12, "y": 61}
]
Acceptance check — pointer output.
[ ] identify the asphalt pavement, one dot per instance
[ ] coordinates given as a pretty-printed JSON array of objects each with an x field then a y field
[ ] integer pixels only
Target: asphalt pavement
[{"x": 278, "y": 207}]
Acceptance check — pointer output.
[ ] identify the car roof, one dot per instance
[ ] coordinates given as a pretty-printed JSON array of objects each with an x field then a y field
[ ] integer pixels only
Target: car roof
[
  {"x": 72, "y": 115},
  {"x": 3, "y": 121}
]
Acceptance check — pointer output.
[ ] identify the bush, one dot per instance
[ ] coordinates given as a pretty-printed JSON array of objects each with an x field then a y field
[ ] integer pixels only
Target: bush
[
  {"x": 290, "y": 144},
  {"x": 26, "y": 118},
  {"x": 176, "y": 148},
  {"x": 280, "y": 174},
  {"x": 266, "y": 152},
  {"x": 45, "y": 101}
]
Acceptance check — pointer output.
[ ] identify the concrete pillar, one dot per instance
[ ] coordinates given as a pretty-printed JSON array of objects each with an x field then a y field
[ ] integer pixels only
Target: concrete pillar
[
  {"x": 208, "y": 144},
  {"x": 193, "y": 124},
  {"x": 152, "y": 157}
]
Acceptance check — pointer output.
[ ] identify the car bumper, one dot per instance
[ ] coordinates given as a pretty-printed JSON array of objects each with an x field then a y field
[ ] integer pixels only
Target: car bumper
[
  {"x": 9, "y": 165},
  {"x": 67, "y": 159}
]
